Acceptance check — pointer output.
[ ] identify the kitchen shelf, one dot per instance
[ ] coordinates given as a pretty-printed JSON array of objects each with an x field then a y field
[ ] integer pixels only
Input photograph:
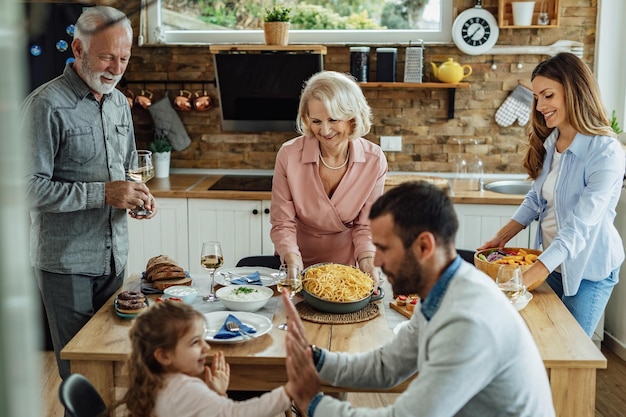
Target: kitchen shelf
[
  {"x": 449, "y": 86},
  {"x": 313, "y": 49},
  {"x": 505, "y": 14}
]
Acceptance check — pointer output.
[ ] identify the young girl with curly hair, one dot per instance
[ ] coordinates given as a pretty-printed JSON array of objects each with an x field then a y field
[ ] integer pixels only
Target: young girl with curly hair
[{"x": 168, "y": 376}]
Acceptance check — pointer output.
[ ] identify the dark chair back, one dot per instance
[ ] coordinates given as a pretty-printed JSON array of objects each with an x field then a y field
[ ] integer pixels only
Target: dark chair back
[
  {"x": 80, "y": 398},
  {"x": 467, "y": 255},
  {"x": 267, "y": 261}
]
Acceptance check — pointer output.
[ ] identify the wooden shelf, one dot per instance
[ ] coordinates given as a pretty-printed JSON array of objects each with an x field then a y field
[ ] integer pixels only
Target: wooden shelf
[
  {"x": 313, "y": 49},
  {"x": 505, "y": 14},
  {"x": 381, "y": 84},
  {"x": 449, "y": 86}
]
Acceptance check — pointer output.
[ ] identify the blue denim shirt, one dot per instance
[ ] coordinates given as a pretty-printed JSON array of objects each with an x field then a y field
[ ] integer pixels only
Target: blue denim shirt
[
  {"x": 77, "y": 144},
  {"x": 431, "y": 303},
  {"x": 588, "y": 185}
]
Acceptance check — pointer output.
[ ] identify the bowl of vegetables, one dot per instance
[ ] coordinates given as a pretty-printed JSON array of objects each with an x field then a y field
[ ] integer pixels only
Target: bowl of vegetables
[{"x": 489, "y": 260}]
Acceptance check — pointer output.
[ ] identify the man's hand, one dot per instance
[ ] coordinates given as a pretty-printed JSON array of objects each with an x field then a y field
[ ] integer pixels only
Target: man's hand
[
  {"x": 304, "y": 382},
  {"x": 129, "y": 195}
]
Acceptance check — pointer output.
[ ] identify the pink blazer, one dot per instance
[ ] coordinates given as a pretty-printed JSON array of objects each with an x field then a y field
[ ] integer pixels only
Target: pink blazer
[{"x": 305, "y": 221}]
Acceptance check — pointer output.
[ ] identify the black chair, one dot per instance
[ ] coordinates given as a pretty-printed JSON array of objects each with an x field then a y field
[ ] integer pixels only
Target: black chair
[
  {"x": 467, "y": 255},
  {"x": 80, "y": 398},
  {"x": 267, "y": 261}
]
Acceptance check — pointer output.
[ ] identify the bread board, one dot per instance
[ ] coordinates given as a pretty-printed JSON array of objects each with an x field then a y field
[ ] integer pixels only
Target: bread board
[
  {"x": 393, "y": 180},
  {"x": 401, "y": 309}
]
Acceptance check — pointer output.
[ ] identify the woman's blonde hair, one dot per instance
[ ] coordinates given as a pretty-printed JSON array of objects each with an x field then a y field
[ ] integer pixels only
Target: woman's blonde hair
[
  {"x": 158, "y": 327},
  {"x": 585, "y": 111},
  {"x": 343, "y": 99}
]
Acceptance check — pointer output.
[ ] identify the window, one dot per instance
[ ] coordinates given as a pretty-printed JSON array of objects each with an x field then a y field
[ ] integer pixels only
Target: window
[{"x": 325, "y": 22}]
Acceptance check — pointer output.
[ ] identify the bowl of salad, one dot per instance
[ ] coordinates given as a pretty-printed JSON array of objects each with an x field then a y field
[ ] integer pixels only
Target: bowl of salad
[{"x": 489, "y": 260}]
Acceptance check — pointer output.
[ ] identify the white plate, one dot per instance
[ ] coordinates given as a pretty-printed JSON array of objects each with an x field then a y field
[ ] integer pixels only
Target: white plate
[
  {"x": 523, "y": 301},
  {"x": 268, "y": 276},
  {"x": 215, "y": 321}
]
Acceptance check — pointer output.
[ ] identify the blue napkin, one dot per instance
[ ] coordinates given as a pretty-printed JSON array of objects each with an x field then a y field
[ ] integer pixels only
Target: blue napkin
[
  {"x": 254, "y": 279},
  {"x": 224, "y": 333}
]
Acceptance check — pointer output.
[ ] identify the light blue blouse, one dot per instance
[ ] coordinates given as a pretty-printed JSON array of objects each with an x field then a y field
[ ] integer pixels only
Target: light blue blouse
[{"x": 588, "y": 186}]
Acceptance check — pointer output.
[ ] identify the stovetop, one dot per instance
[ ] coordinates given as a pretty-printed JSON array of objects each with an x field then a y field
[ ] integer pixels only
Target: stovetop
[{"x": 243, "y": 183}]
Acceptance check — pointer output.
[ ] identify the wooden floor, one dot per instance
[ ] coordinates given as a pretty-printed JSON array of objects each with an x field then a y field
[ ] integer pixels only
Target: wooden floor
[{"x": 610, "y": 397}]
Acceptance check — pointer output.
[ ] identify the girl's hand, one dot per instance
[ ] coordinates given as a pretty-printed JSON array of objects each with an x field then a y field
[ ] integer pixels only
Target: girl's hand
[{"x": 218, "y": 376}]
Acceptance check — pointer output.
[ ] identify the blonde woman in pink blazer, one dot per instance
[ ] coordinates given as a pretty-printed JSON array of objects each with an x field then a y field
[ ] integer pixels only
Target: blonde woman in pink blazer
[{"x": 326, "y": 180}]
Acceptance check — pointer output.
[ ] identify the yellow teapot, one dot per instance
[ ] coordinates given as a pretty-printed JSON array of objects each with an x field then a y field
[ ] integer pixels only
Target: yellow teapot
[{"x": 451, "y": 71}]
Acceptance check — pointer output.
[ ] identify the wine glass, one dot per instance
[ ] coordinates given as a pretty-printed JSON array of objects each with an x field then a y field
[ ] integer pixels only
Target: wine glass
[
  {"x": 289, "y": 277},
  {"x": 210, "y": 259},
  {"x": 141, "y": 169},
  {"x": 510, "y": 281}
]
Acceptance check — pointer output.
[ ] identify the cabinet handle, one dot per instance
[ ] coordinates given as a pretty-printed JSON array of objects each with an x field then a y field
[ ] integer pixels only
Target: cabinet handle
[
  {"x": 255, "y": 212},
  {"x": 266, "y": 211}
]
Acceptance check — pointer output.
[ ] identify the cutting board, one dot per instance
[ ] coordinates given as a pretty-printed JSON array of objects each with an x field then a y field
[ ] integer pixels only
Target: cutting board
[{"x": 400, "y": 309}]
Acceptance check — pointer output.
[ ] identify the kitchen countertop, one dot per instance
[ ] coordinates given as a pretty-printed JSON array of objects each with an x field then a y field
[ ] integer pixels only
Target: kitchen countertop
[{"x": 197, "y": 184}]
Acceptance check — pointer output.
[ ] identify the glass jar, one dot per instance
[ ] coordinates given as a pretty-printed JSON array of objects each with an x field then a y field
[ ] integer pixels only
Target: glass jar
[{"x": 360, "y": 62}]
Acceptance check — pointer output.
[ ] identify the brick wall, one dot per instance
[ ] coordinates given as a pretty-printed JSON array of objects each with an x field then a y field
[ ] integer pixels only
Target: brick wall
[{"x": 418, "y": 115}]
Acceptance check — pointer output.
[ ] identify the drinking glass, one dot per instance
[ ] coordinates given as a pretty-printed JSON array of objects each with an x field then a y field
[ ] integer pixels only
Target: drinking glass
[
  {"x": 289, "y": 276},
  {"x": 210, "y": 259},
  {"x": 510, "y": 281},
  {"x": 459, "y": 164},
  {"x": 475, "y": 168},
  {"x": 141, "y": 169}
]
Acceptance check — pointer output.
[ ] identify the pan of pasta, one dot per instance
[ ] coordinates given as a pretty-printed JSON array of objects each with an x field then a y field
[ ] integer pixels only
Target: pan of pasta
[{"x": 336, "y": 288}]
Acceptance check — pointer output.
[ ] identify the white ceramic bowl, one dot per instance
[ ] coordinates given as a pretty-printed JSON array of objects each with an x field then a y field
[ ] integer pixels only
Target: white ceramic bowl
[
  {"x": 187, "y": 293},
  {"x": 244, "y": 297}
]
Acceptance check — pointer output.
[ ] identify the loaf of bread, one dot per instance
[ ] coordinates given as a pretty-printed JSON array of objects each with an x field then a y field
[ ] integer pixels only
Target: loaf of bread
[{"x": 163, "y": 267}]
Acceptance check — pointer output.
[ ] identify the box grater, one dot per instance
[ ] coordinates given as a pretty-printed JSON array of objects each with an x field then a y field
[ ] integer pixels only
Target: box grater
[{"x": 414, "y": 63}]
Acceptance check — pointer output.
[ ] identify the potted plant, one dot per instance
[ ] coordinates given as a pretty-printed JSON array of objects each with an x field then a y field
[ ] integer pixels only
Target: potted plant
[
  {"x": 161, "y": 151},
  {"x": 276, "y": 25},
  {"x": 616, "y": 128}
]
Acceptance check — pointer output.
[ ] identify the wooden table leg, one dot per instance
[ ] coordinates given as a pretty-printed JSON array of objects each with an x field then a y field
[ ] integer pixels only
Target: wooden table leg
[{"x": 574, "y": 391}]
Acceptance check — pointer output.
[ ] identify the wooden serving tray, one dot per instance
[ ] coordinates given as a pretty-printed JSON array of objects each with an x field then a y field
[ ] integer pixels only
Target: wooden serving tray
[
  {"x": 393, "y": 180},
  {"x": 400, "y": 309}
]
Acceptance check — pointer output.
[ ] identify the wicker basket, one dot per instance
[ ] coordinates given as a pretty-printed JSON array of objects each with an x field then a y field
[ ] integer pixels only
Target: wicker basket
[
  {"x": 491, "y": 269},
  {"x": 276, "y": 33}
]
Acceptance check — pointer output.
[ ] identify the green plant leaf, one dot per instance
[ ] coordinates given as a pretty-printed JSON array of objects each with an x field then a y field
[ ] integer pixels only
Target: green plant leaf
[{"x": 277, "y": 14}]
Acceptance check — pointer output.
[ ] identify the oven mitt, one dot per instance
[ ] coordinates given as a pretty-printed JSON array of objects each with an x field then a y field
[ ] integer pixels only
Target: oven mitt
[
  {"x": 516, "y": 106},
  {"x": 166, "y": 119},
  {"x": 252, "y": 279},
  {"x": 224, "y": 333}
]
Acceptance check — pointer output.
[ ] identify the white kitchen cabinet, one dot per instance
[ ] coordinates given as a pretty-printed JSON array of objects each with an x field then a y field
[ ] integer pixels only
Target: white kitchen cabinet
[
  {"x": 480, "y": 222},
  {"x": 240, "y": 225},
  {"x": 165, "y": 234}
]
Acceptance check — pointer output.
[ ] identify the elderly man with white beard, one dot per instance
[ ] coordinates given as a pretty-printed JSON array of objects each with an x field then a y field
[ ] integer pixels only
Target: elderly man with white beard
[{"x": 80, "y": 133}]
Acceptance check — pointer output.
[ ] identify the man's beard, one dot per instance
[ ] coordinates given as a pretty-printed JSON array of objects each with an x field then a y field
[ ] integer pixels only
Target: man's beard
[
  {"x": 410, "y": 276},
  {"x": 92, "y": 78}
]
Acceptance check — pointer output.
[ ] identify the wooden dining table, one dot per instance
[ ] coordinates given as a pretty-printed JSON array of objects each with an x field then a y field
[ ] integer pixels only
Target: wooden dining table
[{"x": 101, "y": 347}]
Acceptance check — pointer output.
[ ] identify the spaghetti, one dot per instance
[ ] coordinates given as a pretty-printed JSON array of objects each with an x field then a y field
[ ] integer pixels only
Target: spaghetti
[{"x": 337, "y": 283}]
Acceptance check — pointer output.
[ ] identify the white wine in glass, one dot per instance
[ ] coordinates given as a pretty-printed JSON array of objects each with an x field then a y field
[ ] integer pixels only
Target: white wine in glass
[
  {"x": 511, "y": 282},
  {"x": 211, "y": 258},
  {"x": 141, "y": 170},
  {"x": 289, "y": 277}
]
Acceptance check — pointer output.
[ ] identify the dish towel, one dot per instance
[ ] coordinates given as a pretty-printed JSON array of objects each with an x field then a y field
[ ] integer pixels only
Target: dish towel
[
  {"x": 515, "y": 107},
  {"x": 250, "y": 279},
  {"x": 224, "y": 333}
]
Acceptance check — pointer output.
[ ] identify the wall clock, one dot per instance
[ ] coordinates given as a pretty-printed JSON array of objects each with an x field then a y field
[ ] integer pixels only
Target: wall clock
[{"x": 475, "y": 30}]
